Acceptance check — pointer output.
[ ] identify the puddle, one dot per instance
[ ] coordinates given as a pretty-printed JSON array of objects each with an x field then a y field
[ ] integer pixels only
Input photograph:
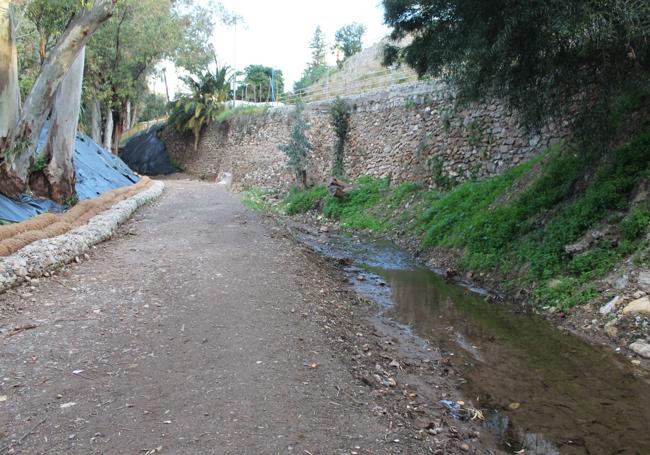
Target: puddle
[{"x": 570, "y": 397}]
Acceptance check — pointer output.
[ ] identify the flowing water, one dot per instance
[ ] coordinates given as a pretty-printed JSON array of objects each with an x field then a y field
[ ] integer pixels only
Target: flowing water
[{"x": 543, "y": 390}]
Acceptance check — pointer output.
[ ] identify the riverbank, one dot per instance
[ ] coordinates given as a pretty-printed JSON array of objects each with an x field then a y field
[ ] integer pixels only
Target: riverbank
[{"x": 565, "y": 234}]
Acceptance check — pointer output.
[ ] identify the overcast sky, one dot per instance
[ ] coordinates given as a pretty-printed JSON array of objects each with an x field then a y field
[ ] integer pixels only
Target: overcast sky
[{"x": 277, "y": 32}]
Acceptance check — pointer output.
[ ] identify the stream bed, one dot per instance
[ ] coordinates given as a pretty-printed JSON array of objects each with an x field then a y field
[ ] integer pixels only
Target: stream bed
[{"x": 541, "y": 389}]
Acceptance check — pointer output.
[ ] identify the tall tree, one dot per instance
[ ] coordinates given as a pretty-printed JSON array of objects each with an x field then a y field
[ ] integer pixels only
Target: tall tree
[
  {"x": 9, "y": 89},
  {"x": 258, "y": 82},
  {"x": 17, "y": 148},
  {"x": 56, "y": 180},
  {"x": 126, "y": 50},
  {"x": 536, "y": 54},
  {"x": 318, "y": 65},
  {"x": 318, "y": 47},
  {"x": 349, "y": 40},
  {"x": 298, "y": 147}
]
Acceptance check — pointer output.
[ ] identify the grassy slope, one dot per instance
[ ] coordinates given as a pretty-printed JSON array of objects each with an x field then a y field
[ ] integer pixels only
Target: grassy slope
[{"x": 516, "y": 224}]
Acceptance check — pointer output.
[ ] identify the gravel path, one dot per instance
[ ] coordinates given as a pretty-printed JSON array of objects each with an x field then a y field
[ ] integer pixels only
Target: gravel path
[{"x": 189, "y": 333}]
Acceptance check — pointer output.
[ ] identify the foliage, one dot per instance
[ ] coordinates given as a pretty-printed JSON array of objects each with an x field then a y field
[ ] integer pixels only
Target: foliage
[
  {"x": 353, "y": 211},
  {"x": 312, "y": 74},
  {"x": 318, "y": 47},
  {"x": 636, "y": 224},
  {"x": 304, "y": 201},
  {"x": 257, "y": 84},
  {"x": 349, "y": 40},
  {"x": 39, "y": 164},
  {"x": 535, "y": 54},
  {"x": 193, "y": 112},
  {"x": 50, "y": 18},
  {"x": 255, "y": 199},
  {"x": 340, "y": 121},
  {"x": 298, "y": 147},
  {"x": 153, "y": 106},
  {"x": 317, "y": 68},
  {"x": 519, "y": 223},
  {"x": 142, "y": 33},
  {"x": 442, "y": 181},
  {"x": 240, "y": 111}
]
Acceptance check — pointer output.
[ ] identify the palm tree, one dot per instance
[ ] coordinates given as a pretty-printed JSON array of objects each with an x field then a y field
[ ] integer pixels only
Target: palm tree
[{"x": 209, "y": 91}]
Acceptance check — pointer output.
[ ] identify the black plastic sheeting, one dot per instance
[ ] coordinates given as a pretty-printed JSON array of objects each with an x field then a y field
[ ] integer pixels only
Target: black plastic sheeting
[
  {"x": 146, "y": 154},
  {"x": 98, "y": 171}
]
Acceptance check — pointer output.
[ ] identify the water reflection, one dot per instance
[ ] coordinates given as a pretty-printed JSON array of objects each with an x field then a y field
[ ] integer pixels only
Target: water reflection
[{"x": 544, "y": 390}]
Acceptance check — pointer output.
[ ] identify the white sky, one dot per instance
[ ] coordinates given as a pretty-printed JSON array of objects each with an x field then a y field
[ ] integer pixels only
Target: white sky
[{"x": 277, "y": 32}]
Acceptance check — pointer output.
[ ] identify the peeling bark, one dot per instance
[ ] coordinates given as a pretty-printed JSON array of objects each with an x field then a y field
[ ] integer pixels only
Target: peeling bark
[
  {"x": 57, "y": 180},
  {"x": 9, "y": 88},
  {"x": 96, "y": 121},
  {"x": 17, "y": 153}
]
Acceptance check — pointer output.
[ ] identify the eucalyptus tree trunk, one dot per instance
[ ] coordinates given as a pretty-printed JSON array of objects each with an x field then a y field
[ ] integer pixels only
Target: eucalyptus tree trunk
[
  {"x": 127, "y": 116},
  {"x": 17, "y": 154},
  {"x": 9, "y": 89},
  {"x": 57, "y": 180},
  {"x": 108, "y": 129},
  {"x": 95, "y": 121}
]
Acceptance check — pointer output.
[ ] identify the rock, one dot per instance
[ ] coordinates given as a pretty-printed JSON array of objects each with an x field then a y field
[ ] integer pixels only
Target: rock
[
  {"x": 621, "y": 282},
  {"x": 610, "y": 306},
  {"x": 641, "y": 348},
  {"x": 639, "y": 306},
  {"x": 578, "y": 247},
  {"x": 611, "y": 330},
  {"x": 644, "y": 280}
]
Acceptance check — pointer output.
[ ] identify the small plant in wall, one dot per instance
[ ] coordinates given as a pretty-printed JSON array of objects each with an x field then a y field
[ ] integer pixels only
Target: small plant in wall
[
  {"x": 340, "y": 121},
  {"x": 298, "y": 147}
]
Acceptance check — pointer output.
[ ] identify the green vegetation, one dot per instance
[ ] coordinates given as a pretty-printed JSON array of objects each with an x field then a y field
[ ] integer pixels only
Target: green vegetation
[
  {"x": 519, "y": 223},
  {"x": 304, "y": 201},
  {"x": 240, "y": 111},
  {"x": 298, "y": 147},
  {"x": 262, "y": 84},
  {"x": 348, "y": 41},
  {"x": 340, "y": 121},
  {"x": 200, "y": 108},
  {"x": 535, "y": 55}
]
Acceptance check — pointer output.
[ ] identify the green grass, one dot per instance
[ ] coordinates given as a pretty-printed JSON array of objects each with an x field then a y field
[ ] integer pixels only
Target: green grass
[
  {"x": 353, "y": 211},
  {"x": 239, "y": 111},
  {"x": 255, "y": 199},
  {"x": 303, "y": 201},
  {"x": 518, "y": 223}
]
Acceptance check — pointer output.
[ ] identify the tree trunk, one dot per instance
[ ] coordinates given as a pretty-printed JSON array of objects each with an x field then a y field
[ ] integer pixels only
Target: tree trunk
[
  {"x": 57, "y": 180},
  {"x": 134, "y": 116},
  {"x": 118, "y": 129},
  {"x": 108, "y": 129},
  {"x": 9, "y": 88},
  {"x": 127, "y": 116},
  {"x": 96, "y": 121},
  {"x": 18, "y": 152}
]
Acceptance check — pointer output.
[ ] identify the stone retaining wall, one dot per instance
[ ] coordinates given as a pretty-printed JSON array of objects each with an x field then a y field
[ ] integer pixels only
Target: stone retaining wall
[{"x": 409, "y": 133}]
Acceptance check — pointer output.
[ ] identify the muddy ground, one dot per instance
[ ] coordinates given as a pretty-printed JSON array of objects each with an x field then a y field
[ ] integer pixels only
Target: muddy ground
[{"x": 203, "y": 328}]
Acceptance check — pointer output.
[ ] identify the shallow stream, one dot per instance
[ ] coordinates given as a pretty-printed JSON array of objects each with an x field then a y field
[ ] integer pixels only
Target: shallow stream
[{"x": 543, "y": 390}]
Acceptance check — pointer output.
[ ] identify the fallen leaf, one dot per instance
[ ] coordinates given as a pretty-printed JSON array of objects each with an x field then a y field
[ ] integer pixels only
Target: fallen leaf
[{"x": 514, "y": 406}]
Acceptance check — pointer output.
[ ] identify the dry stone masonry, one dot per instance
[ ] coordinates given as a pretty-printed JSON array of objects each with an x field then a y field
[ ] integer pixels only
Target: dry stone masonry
[{"x": 408, "y": 133}]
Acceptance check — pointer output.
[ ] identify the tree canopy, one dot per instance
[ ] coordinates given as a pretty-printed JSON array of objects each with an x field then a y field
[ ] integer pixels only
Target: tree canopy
[
  {"x": 349, "y": 40},
  {"x": 534, "y": 53},
  {"x": 262, "y": 82}
]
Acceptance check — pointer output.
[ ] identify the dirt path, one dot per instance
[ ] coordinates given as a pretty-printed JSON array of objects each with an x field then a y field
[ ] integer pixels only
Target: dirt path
[{"x": 194, "y": 331}]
